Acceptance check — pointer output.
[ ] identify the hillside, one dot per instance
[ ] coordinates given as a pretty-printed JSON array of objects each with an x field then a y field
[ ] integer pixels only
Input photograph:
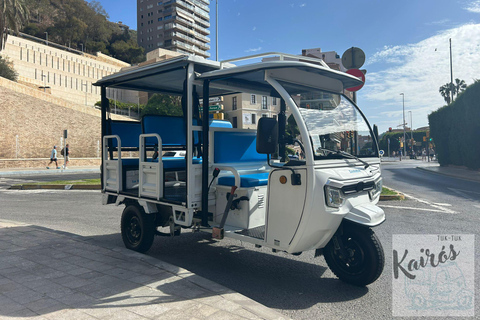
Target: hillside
[{"x": 82, "y": 26}]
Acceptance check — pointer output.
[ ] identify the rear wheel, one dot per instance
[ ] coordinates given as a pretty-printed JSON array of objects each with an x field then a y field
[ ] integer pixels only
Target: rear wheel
[
  {"x": 355, "y": 255},
  {"x": 138, "y": 228}
]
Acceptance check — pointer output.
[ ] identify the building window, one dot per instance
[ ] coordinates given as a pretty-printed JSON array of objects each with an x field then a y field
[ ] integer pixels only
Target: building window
[
  {"x": 274, "y": 116},
  {"x": 264, "y": 115},
  {"x": 274, "y": 101},
  {"x": 234, "y": 103},
  {"x": 254, "y": 118},
  {"x": 234, "y": 122},
  {"x": 159, "y": 19},
  {"x": 264, "y": 102},
  {"x": 168, "y": 17},
  {"x": 253, "y": 99}
]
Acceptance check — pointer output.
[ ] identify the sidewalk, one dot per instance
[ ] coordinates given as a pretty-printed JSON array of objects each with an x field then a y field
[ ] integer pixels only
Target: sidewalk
[
  {"x": 455, "y": 172},
  {"x": 49, "y": 274},
  {"x": 30, "y": 171}
]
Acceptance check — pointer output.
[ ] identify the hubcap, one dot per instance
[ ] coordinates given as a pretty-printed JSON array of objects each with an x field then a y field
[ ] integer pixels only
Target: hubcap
[{"x": 134, "y": 231}]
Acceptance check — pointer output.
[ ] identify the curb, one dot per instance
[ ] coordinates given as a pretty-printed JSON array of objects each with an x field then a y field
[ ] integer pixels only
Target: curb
[
  {"x": 390, "y": 197},
  {"x": 56, "y": 187},
  {"x": 467, "y": 178}
]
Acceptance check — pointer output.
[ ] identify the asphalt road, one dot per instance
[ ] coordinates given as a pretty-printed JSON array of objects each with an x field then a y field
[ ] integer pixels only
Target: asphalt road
[{"x": 301, "y": 287}]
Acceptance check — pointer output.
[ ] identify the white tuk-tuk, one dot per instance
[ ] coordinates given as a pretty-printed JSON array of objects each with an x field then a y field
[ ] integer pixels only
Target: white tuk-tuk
[{"x": 239, "y": 183}]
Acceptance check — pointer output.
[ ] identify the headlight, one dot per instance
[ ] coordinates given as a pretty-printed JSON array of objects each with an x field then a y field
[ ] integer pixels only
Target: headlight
[
  {"x": 377, "y": 189},
  {"x": 334, "y": 196}
]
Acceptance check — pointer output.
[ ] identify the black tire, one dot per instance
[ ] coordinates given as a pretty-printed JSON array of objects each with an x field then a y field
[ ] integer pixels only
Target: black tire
[
  {"x": 138, "y": 228},
  {"x": 366, "y": 257}
]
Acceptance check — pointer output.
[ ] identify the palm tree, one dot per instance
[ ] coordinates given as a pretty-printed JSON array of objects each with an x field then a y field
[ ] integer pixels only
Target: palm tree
[
  {"x": 13, "y": 13},
  {"x": 459, "y": 86},
  {"x": 445, "y": 91}
]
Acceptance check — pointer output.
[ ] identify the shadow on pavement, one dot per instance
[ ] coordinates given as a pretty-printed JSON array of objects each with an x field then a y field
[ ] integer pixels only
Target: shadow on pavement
[{"x": 279, "y": 281}]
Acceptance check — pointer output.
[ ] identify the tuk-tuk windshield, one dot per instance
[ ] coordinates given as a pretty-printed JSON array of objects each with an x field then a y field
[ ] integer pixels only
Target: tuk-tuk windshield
[{"x": 334, "y": 124}]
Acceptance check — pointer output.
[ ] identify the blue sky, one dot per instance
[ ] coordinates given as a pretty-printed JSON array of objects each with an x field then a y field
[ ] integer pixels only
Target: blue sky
[{"x": 406, "y": 43}]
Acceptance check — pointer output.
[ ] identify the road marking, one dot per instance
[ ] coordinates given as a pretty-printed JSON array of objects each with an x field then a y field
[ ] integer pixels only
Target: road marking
[
  {"x": 412, "y": 208},
  {"x": 442, "y": 209},
  {"x": 443, "y": 204}
]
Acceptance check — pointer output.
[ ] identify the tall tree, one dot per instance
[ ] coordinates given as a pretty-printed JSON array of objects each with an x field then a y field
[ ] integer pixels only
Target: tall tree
[
  {"x": 459, "y": 86},
  {"x": 13, "y": 15},
  {"x": 445, "y": 91}
]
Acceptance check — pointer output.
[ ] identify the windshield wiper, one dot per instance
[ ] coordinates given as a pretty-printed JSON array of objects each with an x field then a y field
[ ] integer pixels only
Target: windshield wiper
[{"x": 346, "y": 154}]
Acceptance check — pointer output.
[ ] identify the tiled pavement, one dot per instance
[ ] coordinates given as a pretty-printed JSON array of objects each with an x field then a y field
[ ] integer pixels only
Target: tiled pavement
[{"x": 47, "y": 274}]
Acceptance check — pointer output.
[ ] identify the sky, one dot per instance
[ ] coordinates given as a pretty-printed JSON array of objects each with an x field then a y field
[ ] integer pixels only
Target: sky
[{"x": 406, "y": 44}]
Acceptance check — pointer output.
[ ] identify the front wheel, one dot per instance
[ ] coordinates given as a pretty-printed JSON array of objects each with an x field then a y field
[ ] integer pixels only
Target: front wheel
[
  {"x": 355, "y": 255},
  {"x": 138, "y": 228}
]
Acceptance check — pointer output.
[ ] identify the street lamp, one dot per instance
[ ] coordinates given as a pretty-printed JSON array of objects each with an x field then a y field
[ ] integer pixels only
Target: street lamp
[
  {"x": 44, "y": 82},
  {"x": 451, "y": 71},
  {"x": 216, "y": 30},
  {"x": 46, "y": 37},
  {"x": 411, "y": 125},
  {"x": 86, "y": 90},
  {"x": 404, "y": 141}
]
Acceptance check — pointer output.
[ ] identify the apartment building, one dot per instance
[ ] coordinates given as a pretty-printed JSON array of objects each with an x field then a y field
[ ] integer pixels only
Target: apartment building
[
  {"x": 176, "y": 25},
  {"x": 243, "y": 109}
]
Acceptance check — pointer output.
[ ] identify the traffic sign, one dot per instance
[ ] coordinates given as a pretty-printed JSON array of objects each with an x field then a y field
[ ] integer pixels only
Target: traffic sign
[
  {"x": 215, "y": 107},
  {"x": 381, "y": 152},
  {"x": 353, "y": 58},
  {"x": 359, "y": 74}
]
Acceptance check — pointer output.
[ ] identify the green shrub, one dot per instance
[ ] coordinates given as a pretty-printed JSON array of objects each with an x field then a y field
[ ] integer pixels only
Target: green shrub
[{"x": 455, "y": 129}]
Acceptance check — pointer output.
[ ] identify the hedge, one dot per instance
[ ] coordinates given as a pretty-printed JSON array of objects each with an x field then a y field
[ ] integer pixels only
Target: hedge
[{"x": 455, "y": 128}]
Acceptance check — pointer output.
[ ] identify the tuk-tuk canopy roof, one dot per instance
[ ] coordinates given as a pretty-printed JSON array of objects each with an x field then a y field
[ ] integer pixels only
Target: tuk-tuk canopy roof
[{"x": 168, "y": 76}]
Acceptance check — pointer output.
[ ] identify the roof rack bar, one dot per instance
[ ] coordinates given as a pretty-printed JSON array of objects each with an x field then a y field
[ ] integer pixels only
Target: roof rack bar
[{"x": 281, "y": 56}]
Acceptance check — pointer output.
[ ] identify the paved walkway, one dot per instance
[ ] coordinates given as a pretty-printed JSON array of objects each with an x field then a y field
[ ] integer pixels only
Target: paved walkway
[{"x": 48, "y": 274}]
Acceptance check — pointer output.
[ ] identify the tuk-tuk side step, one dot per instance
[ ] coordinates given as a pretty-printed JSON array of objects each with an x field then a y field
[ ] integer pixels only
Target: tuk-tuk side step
[{"x": 258, "y": 232}]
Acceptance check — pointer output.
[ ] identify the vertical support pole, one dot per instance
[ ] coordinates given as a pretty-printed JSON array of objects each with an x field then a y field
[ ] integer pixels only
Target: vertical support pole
[
  {"x": 188, "y": 116},
  {"x": 282, "y": 123},
  {"x": 105, "y": 107},
  {"x": 205, "y": 160}
]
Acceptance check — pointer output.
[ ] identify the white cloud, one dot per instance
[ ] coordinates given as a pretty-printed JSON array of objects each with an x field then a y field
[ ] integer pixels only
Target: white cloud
[
  {"x": 418, "y": 70},
  {"x": 254, "y": 49},
  {"x": 254, "y": 28},
  {"x": 438, "y": 22},
  {"x": 303, "y": 5},
  {"x": 473, "y": 6}
]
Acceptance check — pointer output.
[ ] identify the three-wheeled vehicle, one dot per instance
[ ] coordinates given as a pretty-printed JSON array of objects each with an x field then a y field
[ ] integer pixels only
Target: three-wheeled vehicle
[{"x": 239, "y": 183}]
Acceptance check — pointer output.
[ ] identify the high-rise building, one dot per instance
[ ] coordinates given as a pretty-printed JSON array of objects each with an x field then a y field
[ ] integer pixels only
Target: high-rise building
[{"x": 177, "y": 25}]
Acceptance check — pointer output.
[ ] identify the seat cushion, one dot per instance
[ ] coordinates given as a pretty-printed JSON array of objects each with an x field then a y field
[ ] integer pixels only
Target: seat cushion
[
  {"x": 130, "y": 162},
  {"x": 177, "y": 163},
  {"x": 246, "y": 181}
]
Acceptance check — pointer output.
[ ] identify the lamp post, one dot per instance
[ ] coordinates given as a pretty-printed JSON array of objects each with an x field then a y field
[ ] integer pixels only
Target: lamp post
[
  {"x": 86, "y": 90},
  {"x": 46, "y": 37},
  {"x": 411, "y": 125},
  {"x": 451, "y": 71},
  {"x": 404, "y": 141},
  {"x": 44, "y": 82},
  {"x": 216, "y": 30}
]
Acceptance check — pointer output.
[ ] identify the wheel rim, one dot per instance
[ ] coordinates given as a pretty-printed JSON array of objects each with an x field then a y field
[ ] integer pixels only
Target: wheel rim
[
  {"x": 356, "y": 257},
  {"x": 134, "y": 230}
]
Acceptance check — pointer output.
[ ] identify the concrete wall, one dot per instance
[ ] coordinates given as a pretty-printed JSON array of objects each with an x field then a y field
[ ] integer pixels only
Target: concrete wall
[
  {"x": 70, "y": 75},
  {"x": 32, "y": 122}
]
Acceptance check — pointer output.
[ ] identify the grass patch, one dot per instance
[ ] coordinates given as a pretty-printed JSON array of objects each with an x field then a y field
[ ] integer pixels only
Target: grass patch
[
  {"x": 388, "y": 192},
  {"x": 62, "y": 182}
]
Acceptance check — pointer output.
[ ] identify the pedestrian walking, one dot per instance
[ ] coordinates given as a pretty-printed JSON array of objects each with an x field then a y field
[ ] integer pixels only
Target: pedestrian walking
[
  {"x": 66, "y": 153},
  {"x": 53, "y": 158}
]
